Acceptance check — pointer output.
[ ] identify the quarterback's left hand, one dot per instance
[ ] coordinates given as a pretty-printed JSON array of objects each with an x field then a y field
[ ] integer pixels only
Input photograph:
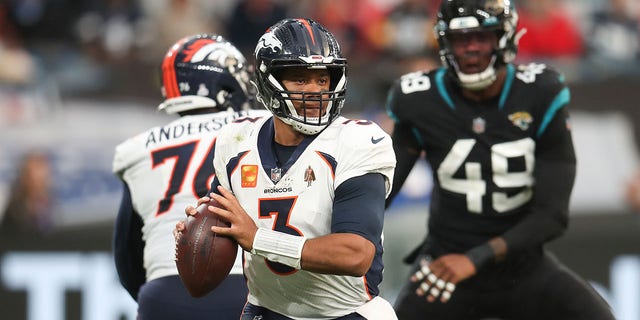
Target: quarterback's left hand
[{"x": 438, "y": 278}]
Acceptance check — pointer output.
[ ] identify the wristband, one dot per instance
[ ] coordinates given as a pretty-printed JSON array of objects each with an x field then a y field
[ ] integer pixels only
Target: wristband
[
  {"x": 480, "y": 255},
  {"x": 278, "y": 247}
]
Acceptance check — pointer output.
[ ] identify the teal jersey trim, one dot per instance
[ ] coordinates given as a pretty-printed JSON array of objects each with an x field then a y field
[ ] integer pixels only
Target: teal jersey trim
[
  {"x": 395, "y": 119},
  {"x": 561, "y": 99},
  {"x": 416, "y": 133},
  {"x": 389, "y": 112},
  {"x": 440, "y": 85},
  {"x": 511, "y": 72}
]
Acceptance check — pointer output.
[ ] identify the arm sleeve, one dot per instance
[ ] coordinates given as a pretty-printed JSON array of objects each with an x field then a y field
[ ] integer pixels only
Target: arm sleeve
[
  {"x": 128, "y": 246},
  {"x": 555, "y": 172},
  {"x": 358, "y": 207},
  {"x": 405, "y": 145}
]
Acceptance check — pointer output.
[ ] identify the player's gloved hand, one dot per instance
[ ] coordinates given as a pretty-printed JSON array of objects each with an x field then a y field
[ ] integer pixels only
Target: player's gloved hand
[
  {"x": 438, "y": 278},
  {"x": 431, "y": 285}
]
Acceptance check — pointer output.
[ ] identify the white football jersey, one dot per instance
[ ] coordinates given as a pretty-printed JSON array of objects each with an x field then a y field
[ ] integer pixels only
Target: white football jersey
[
  {"x": 168, "y": 168},
  {"x": 299, "y": 201}
]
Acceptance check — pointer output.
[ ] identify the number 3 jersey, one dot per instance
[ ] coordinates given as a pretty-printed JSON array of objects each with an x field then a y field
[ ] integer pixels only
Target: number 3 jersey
[
  {"x": 166, "y": 169},
  {"x": 489, "y": 157},
  {"x": 296, "y": 197}
]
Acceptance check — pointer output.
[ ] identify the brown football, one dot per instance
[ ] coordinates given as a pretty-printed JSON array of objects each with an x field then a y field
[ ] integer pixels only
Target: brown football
[{"x": 204, "y": 259}]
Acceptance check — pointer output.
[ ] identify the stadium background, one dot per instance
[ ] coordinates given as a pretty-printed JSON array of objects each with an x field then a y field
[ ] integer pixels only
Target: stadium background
[{"x": 78, "y": 77}]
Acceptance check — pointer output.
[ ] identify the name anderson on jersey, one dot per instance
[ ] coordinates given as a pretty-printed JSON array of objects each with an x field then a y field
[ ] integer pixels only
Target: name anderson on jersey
[{"x": 177, "y": 131}]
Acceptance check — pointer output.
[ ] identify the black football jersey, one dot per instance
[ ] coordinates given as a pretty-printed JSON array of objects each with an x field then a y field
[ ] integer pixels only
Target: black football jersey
[{"x": 485, "y": 155}]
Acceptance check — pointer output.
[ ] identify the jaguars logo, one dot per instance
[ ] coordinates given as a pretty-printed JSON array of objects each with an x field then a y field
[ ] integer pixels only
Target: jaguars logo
[
  {"x": 521, "y": 119},
  {"x": 494, "y": 7}
]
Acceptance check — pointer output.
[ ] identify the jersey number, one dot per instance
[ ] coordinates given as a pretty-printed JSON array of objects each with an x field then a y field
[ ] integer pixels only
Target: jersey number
[
  {"x": 414, "y": 82},
  {"x": 183, "y": 158},
  {"x": 279, "y": 210},
  {"x": 529, "y": 72},
  {"x": 475, "y": 187}
]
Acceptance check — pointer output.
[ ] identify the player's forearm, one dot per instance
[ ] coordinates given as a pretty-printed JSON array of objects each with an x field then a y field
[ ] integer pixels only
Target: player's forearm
[
  {"x": 493, "y": 250},
  {"x": 549, "y": 214},
  {"x": 338, "y": 253}
]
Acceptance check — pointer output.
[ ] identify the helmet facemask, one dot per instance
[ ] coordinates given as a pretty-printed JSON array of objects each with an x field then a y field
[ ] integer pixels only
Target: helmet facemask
[
  {"x": 472, "y": 81},
  {"x": 477, "y": 16},
  {"x": 283, "y": 101},
  {"x": 300, "y": 43}
]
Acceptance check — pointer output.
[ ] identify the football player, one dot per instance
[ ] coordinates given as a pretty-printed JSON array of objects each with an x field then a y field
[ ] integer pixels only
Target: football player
[
  {"x": 205, "y": 80},
  {"x": 498, "y": 140},
  {"x": 304, "y": 190}
]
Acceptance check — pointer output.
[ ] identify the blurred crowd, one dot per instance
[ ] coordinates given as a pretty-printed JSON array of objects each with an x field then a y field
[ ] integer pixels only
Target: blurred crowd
[
  {"x": 53, "y": 52},
  {"x": 111, "y": 49}
]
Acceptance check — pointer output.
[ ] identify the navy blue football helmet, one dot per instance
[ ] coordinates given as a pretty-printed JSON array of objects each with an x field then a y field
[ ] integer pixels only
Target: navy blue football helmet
[
  {"x": 461, "y": 16},
  {"x": 299, "y": 43},
  {"x": 205, "y": 71}
]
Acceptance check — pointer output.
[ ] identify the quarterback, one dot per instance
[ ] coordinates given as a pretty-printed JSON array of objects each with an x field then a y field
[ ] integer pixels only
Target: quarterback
[{"x": 304, "y": 190}]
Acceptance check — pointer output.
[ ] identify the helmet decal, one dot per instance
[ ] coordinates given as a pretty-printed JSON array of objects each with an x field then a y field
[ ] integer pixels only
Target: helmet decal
[
  {"x": 204, "y": 71},
  {"x": 269, "y": 40},
  {"x": 170, "y": 85},
  {"x": 306, "y": 24},
  {"x": 193, "y": 52},
  {"x": 496, "y": 7},
  {"x": 202, "y": 90}
]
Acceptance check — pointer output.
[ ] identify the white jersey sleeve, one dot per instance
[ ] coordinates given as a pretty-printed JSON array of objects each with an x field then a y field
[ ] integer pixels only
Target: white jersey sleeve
[{"x": 366, "y": 149}]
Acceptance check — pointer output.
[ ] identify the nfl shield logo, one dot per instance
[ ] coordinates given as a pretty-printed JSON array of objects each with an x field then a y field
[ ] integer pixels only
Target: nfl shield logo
[
  {"x": 276, "y": 174},
  {"x": 478, "y": 125}
]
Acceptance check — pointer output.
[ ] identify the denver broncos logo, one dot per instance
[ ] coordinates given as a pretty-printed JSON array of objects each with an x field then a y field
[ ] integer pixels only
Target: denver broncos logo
[
  {"x": 521, "y": 119},
  {"x": 269, "y": 40},
  {"x": 209, "y": 49},
  {"x": 194, "y": 48}
]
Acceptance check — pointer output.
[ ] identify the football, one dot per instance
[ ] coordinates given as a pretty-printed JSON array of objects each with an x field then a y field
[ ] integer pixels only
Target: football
[{"x": 204, "y": 259}]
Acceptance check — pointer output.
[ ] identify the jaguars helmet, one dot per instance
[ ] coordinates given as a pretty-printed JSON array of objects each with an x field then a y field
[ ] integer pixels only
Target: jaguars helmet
[
  {"x": 205, "y": 71},
  {"x": 460, "y": 16},
  {"x": 296, "y": 43}
]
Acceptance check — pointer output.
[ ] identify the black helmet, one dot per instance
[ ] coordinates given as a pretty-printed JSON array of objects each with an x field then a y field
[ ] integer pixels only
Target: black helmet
[
  {"x": 459, "y": 16},
  {"x": 204, "y": 71},
  {"x": 296, "y": 43}
]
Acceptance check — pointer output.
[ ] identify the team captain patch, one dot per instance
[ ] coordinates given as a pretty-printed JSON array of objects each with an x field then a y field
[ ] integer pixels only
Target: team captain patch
[{"x": 249, "y": 174}]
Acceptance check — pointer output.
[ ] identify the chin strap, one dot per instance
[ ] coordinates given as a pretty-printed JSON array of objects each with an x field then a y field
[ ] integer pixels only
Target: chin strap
[{"x": 477, "y": 81}]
